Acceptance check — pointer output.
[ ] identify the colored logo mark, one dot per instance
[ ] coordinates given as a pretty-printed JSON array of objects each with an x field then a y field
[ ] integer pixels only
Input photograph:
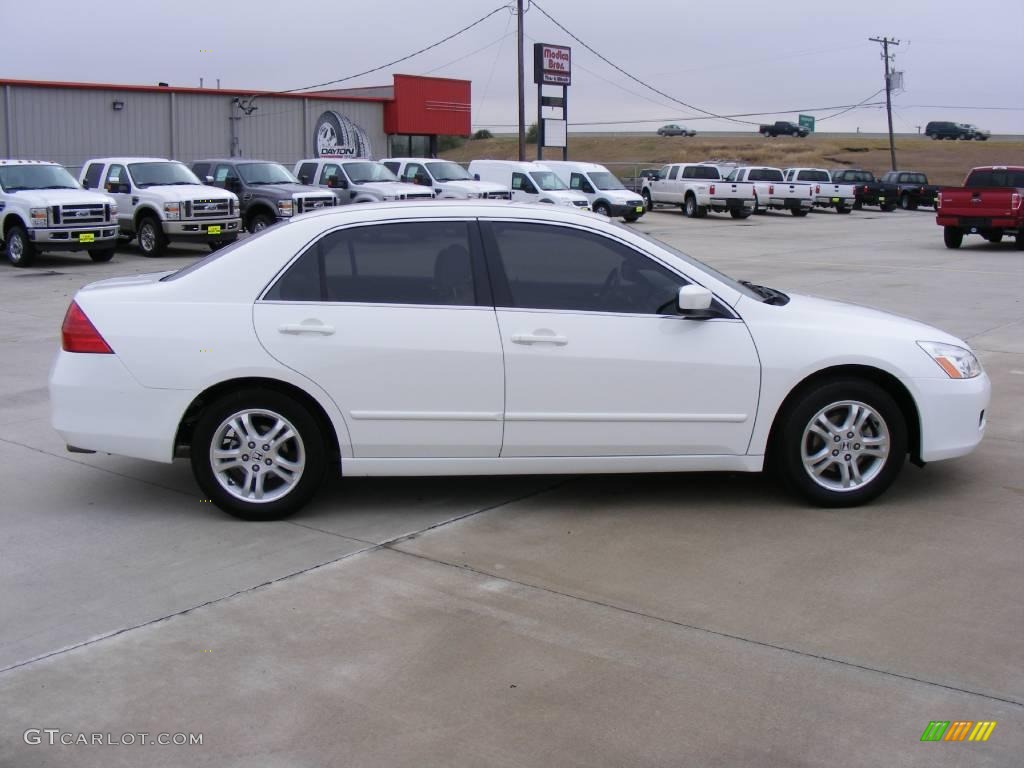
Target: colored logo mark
[{"x": 958, "y": 730}]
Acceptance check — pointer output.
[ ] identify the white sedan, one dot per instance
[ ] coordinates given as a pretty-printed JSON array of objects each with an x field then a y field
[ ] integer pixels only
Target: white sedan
[{"x": 487, "y": 338}]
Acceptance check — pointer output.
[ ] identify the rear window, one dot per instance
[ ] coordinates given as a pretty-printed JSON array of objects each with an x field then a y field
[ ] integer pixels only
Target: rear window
[
  {"x": 996, "y": 177},
  {"x": 853, "y": 176},
  {"x": 812, "y": 176},
  {"x": 915, "y": 178},
  {"x": 764, "y": 174},
  {"x": 706, "y": 172}
]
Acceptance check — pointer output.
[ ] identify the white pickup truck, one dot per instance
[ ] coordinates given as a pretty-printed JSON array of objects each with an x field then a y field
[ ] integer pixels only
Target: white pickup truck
[
  {"x": 772, "y": 191},
  {"x": 827, "y": 194},
  {"x": 358, "y": 181},
  {"x": 698, "y": 188},
  {"x": 43, "y": 208},
  {"x": 161, "y": 200},
  {"x": 450, "y": 181}
]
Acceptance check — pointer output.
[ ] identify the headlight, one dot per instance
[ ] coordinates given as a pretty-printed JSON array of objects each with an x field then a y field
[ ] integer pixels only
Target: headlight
[
  {"x": 172, "y": 210},
  {"x": 474, "y": 195},
  {"x": 957, "y": 362},
  {"x": 285, "y": 207},
  {"x": 38, "y": 217},
  {"x": 113, "y": 210}
]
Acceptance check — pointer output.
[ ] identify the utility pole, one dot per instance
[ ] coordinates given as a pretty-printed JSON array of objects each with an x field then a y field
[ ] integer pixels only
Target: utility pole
[
  {"x": 886, "y": 42},
  {"x": 522, "y": 87}
]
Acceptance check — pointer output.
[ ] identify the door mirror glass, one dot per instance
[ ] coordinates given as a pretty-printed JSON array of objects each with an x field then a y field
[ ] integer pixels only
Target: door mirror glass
[
  {"x": 695, "y": 302},
  {"x": 209, "y": 179}
]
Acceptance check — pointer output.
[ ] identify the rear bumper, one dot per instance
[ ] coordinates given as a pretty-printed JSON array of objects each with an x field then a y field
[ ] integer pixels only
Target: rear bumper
[
  {"x": 953, "y": 414},
  {"x": 977, "y": 223},
  {"x": 65, "y": 238},
  {"x": 97, "y": 405},
  {"x": 826, "y": 201},
  {"x": 732, "y": 203},
  {"x": 790, "y": 203},
  {"x": 200, "y": 230}
]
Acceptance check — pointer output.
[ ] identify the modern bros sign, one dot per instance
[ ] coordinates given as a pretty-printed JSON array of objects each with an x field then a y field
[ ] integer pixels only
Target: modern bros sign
[{"x": 552, "y": 64}]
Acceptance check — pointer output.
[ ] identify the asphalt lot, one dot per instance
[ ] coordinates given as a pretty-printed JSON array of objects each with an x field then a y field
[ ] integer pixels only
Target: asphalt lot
[{"x": 662, "y": 620}]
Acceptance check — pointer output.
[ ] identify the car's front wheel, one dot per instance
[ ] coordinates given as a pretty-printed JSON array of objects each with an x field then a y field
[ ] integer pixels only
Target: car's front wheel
[
  {"x": 258, "y": 454},
  {"x": 842, "y": 443}
]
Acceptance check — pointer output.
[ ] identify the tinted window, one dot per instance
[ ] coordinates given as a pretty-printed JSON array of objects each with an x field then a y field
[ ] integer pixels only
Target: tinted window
[
  {"x": 997, "y": 177},
  {"x": 705, "y": 172},
  {"x": 92, "y": 176},
  {"x": 201, "y": 170},
  {"x": 522, "y": 183},
  {"x": 117, "y": 175},
  {"x": 412, "y": 263},
  {"x": 331, "y": 169},
  {"x": 224, "y": 173},
  {"x": 812, "y": 176},
  {"x": 675, "y": 172},
  {"x": 551, "y": 267},
  {"x": 764, "y": 174},
  {"x": 392, "y": 166},
  {"x": 915, "y": 178},
  {"x": 306, "y": 172}
]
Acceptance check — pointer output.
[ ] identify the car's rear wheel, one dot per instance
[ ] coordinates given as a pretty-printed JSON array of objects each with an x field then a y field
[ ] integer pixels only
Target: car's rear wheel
[
  {"x": 738, "y": 213},
  {"x": 842, "y": 209},
  {"x": 952, "y": 236},
  {"x": 906, "y": 203},
  {"x": 258, "y": 454},
  {"x": 152, "y": 241},
  {"x": 799, "y": 211},
  {"x": 994, "y": 237},
  {"x": 19, "y": 249},
  {"x": 842, "y": 443}
]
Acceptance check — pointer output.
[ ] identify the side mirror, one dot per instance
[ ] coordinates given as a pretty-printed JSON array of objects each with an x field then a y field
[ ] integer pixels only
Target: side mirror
[
  {"x": 476, "y": 177},
  {"x": 695, "y": 303},
  {"x": 335, "y": 182},
  {"x": 209, "y": 179},
  {"x": 233, "y": 184},
  {"x": 118, "y": 189}
]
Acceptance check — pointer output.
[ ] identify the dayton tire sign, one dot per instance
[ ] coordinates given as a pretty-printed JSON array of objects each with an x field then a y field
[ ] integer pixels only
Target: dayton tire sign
[{"x": 337, "y": 136}]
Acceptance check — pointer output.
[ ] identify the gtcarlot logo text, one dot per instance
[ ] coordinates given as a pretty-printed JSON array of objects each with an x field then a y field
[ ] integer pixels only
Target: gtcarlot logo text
[{"x": 54, "y": 736}]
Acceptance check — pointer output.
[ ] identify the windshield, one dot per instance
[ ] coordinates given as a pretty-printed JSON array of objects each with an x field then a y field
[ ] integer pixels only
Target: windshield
[
  {"x": 265, "y": 173},
  {"x": 547, "y": 180},
  {"x": 161, "y": 174},
  {"x": 722, "y": 278},
  {"x": 812, "y": 176},
  {"x": 605, "y": 180},
  {"x": 360, "y": 173},
  {"x": 448, "y": 172},
  {"x": 16, "y": 178}
]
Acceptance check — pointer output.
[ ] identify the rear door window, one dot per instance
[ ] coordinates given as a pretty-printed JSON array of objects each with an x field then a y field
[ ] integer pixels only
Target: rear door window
[
  {"x": 92, "y": 175},
  {"x": 307, "y": 173}
]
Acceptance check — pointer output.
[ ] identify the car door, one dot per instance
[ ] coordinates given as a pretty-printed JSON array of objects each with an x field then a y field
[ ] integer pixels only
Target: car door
[
  {"x": 598, "y": 362},
  {"x": 117, "y": 179},
  {"x": 395, "y": 322},
  {"x": 523, "y": 188}
]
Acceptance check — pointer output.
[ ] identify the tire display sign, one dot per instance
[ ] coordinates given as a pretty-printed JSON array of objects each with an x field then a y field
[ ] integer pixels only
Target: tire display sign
[
  {"x": 552, "y": 64},
  {"x": 337, "y": 136}
]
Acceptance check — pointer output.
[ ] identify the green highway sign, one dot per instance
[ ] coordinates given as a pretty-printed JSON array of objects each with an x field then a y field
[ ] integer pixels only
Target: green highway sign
[{"x": 807, "y": 121}]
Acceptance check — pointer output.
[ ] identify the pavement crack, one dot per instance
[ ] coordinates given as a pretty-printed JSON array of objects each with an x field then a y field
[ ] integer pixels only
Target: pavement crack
[{"x": 705, "y": 630}]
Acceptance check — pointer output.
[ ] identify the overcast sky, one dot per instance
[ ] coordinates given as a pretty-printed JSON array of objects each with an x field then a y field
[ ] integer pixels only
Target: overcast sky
[{"x": 725, "y": 57}]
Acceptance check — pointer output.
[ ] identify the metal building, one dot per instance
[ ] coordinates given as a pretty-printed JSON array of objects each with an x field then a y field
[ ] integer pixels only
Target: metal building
[{"x": 70, "y": 122}]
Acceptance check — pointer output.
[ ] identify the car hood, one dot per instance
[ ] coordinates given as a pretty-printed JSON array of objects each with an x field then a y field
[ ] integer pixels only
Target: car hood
[
  {"x": 38, "y": 198},
  {"x": 391, "y": 188},
  {"x": 619, "y": 195},
  {"x": 480, "y": 187},
  {"x": 285, "y": 190},
  {"x": 183, "y": 192},
  {"x": 565, "y": 195}
]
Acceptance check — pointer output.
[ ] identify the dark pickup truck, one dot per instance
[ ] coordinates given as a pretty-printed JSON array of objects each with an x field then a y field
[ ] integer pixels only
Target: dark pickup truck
[
  {"x": 267, "y": 191},
  {"x": 782, "y": 128},
  {"x": 988, "y": 204},
  {"x": 912, "y": 189},
  {"x": 869, "y": 190}
]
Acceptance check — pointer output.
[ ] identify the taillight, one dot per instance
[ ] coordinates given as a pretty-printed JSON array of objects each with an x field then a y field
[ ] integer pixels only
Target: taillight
[
  {"x": 78, "y": 334},
  {"x": 817, "y": 189},
  {"x": 1015, "y": 201},
  {"x": 771, "y": 189},
  {"x": 712, "y": 189}
]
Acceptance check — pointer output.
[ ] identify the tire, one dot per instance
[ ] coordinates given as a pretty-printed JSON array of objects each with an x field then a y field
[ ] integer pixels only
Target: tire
[
  {"x": 233, "y": 488},
  {"x": 646, "y": 195},
  {"x": 631, "y": 218},
  {"x": 258, "y": 222},
  {"x": 101, "y": 256},
  {"x": 906, "y": 203},
  {"x": 842, "y": 209},
  {"x": 20, "y": 251},
  {"x": 216, "y": 245},
  {"x": 736, "y": 213},
  {"x": 952, "y": 236},
  {"x": 858, "y": 205},
  {"x": 690, "y": 207},
  {"x": 602, "y": 208},
  {"x": 152, "y": 241},
  {"x": 888, "y": 207},
  {"x": 994, "y": 237},
  {"x": 818, "y": 443},
  {"x": 1019, "y": 241},
  {"x": 799, "y": 212}
]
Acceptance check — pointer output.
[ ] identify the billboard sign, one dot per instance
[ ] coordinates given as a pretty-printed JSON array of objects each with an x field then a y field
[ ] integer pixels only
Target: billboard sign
[
  {"x": 552, "y": 64},
  {"x": 337, "y": 136}
]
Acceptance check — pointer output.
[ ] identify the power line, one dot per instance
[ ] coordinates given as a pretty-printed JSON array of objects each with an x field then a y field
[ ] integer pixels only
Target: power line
[
  {"x": 634, "y": 78},
  {"x": 468, "y": 55},
  {"x": 848, "y": 109}
]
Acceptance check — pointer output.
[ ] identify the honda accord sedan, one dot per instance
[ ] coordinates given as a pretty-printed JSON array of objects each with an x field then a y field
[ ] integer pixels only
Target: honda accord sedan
[{"x": 470, "y": 338}]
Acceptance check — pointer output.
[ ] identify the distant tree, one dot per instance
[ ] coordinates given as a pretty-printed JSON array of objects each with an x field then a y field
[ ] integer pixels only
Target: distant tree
[
  {"x": 445, "y": 143},
  {"x": 483, "y": 133},
  {"x": 531, "y": 134}
]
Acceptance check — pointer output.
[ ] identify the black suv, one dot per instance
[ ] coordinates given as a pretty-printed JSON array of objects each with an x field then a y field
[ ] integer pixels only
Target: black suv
[
  {"x": 941, "y": 129},
  {"x": 268, "y": 192}
]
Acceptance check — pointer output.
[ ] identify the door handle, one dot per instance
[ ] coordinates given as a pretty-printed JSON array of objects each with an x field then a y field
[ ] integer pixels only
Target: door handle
[
  {"x": 307, "y": 326},
  {"x": 539, "y": 338}
]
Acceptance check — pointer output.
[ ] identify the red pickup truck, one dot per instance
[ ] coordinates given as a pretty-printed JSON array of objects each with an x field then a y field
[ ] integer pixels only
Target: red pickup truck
[{"x": 988, "y": 204}]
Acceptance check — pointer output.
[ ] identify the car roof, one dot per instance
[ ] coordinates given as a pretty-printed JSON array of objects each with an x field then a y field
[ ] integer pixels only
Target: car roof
[
  {"x": 337, "y": 160},
  {"x": 410, "y": 209},
  {"x": 236, "y": 160},
  {"x": 131, "y": 160},
  {"x": 27, "y": 162}
]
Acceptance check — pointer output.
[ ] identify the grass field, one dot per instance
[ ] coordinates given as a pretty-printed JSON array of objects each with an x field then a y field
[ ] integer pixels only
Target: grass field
[{"x": 945, "y": 162}]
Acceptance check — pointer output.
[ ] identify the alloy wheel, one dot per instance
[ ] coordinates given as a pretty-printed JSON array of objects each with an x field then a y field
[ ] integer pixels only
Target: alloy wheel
[
  {"x": 845, "y": 446},
  {"x": 257, "y": 455}
]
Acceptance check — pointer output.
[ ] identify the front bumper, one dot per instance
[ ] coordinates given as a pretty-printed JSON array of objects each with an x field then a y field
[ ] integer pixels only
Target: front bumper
[
  {"x": 200, "y": 230},
  {"x": 953, "y": 414},
  {"x": 97, "y": 405},
  {"x": 68, "y": 239},
  {"x": 624, "y": 210}
]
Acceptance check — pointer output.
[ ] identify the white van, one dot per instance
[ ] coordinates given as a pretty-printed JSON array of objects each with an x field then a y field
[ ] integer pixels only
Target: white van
[
  {"x": 449, "y": 180},
  {"x": 606, "y": 193},
  {"x": 529, "y": 182}
]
